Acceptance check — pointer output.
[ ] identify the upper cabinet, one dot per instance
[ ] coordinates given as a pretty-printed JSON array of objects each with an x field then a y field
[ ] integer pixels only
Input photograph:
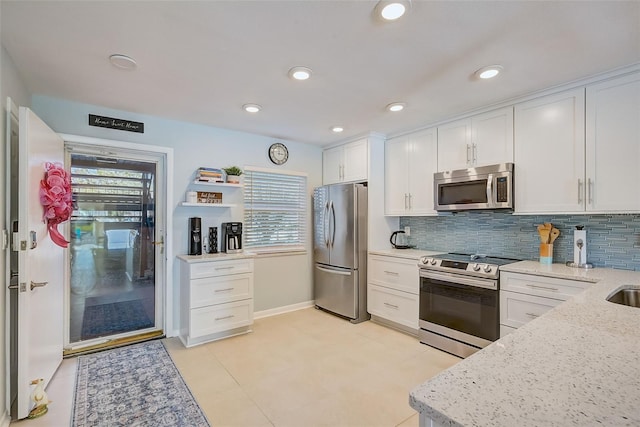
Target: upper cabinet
[
  {"x": 480, "y": 140},
  {"x": 613, "y": 145},
  {"x": 410, "y": 162},
  {"x": 346, "y": 163},
  {"x": 561, "y": 169},
  {"x": 549, "y": 153}
]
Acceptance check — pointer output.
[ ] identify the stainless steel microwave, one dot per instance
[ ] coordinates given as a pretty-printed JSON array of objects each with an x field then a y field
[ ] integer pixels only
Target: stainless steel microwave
[{"x": 486, "y": 187}]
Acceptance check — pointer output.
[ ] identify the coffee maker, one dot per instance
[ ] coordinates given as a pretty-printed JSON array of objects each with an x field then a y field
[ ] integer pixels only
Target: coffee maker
[
  {"x": 195, "y": 236},
  {"x": 231, "y": 237}
]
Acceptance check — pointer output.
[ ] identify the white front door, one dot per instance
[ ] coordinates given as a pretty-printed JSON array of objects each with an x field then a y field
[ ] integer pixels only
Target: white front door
[{"x": 41, "y": 263}]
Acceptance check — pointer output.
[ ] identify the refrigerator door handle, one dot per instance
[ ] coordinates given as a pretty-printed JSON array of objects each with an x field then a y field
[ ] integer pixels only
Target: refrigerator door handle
[
  {"x": 325, "y": 216},
  {"x": 341, "y": 273},
  {"x": 333, "y": 223}
]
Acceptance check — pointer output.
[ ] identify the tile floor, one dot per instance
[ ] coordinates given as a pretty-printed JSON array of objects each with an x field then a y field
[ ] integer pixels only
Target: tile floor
[{"x": 304, "y": 368}]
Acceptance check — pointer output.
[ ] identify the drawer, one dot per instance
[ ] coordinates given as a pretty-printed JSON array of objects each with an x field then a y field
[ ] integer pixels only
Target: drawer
[
  {"x": 397, "y": 306},
  {"x": 396, "y": 273},
  {"x": 541, "y": 286},
  {"x": 220, "y": 268},
  {"x": 216, "y": 290},
  {"x": 217, "y": 318},
  {"x": 517, "y": 309}
]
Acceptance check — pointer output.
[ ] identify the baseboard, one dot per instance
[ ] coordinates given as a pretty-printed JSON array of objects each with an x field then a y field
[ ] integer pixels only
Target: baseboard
[
  {"x": 5, "y": 420},
  {"x": 282, "y": 310}
]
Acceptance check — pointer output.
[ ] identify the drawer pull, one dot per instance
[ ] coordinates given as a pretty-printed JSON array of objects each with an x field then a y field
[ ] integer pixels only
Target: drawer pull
[
  {"x": 223, "y": 290},
  {"x": 532, "y": 315},
  {"x": 393, "y": 273},
  {"x": 391, "y": 305},
  {"x": 225, "y": 268},
  {"x": 542, "y": 287},
  {"x": 225, "y": 317}
]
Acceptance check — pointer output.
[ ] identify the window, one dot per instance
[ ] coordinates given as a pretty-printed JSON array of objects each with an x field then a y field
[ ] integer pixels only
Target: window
[{"x": 275, "y": 210}]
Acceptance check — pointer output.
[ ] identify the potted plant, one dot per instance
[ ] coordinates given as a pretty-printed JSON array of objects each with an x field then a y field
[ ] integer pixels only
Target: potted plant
[{"x": 233, "y": 174}]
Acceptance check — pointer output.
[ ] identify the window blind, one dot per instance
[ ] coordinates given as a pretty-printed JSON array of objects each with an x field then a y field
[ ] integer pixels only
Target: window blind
[{"x": 275, "y": 210}]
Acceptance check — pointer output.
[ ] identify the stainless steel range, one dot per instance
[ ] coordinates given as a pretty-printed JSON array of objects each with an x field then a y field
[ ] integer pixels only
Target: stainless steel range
[{"x": 459, "y": 301}]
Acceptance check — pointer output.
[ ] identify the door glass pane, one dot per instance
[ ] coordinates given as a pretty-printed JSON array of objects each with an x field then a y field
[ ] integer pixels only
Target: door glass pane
[{"x": 112, "y": 250}]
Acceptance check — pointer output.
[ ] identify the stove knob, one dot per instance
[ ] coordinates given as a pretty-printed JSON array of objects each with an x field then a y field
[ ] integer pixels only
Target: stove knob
[
  {"x": 476, "y": 267},
  {"x": 433, "y": 261},
  {"x": 487, "y": 268},
  {"x": 424, "y": 260}
]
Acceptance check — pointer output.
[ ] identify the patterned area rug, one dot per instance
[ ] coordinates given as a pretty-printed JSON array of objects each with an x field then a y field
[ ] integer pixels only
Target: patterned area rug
[
  {"x": 113, "y": 318},
  {"x": 137, "y": 386}
]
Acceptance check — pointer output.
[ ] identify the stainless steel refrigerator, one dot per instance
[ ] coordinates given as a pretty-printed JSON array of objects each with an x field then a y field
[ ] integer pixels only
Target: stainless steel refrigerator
[{"x": 340, "y": 250}]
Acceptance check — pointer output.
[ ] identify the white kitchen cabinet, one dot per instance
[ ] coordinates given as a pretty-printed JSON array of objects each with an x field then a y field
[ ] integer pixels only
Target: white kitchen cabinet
[
  {"x": 410, "y": 162},
  {"x": 549, "y": 154},
  {"x": 392, "y": 291},
  {"x": 480, "y": 140},
  {"x": 613, "y": 145},
  {"x": 523, "y": 297},
  {"x": 216, "y": 297},
  {"x": 346, "y": 163}
]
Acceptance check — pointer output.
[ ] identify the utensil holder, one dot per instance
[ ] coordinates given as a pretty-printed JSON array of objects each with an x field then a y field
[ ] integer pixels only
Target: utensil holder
[{"x": 546, "y": 253}]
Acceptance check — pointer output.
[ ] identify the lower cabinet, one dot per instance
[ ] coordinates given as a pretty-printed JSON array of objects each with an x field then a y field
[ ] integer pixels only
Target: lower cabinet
[
  {"x": 392, "y": 291},
  {"x": 523, "y": 297},
  {"x": 216, "y": 298}
]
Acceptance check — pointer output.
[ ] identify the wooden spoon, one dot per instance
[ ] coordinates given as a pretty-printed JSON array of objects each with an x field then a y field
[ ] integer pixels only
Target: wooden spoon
[{"x": 554, "y": 234}]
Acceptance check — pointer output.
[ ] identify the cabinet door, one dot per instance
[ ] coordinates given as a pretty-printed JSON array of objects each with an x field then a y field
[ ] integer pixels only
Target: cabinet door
[
  {"x": 454, "y": 145},
  {"x": 423, "y": 163},
  {"x": 332, "y": 165},
  {"x": 396, "y": 167},
  {"x": 492, "y": 137},
  {"x": 613, "y": 145},
  {"x": 356, "y": 155},
  {"x": 549, "y": 154}
]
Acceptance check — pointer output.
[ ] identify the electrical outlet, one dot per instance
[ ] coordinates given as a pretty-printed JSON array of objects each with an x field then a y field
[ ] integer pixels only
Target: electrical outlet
[{"x": 407, "y": 230}]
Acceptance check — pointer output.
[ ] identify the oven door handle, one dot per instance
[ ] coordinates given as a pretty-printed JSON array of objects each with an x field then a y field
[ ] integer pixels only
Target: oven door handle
[{"x": 456, "y": 279}]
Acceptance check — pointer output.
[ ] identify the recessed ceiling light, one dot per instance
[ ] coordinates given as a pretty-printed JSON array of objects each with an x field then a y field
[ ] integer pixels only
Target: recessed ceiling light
[
  {"x": 122, "y": 61},
  {"x": 337, "y": 129},
  {"x": 300, "y": 73},
  {"x": 390, "y": 10},
  {"x": 251, "y": 108},
  {"x": 396, "y": 106},
  {"x": 488, "y": 72}
]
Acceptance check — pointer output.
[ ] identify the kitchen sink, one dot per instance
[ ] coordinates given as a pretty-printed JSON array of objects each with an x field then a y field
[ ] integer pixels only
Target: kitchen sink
[{"x": 630, "y": 297}]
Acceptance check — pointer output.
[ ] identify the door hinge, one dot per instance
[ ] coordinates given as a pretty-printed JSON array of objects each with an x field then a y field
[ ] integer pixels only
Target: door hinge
[{"x": 5, "y": 239}]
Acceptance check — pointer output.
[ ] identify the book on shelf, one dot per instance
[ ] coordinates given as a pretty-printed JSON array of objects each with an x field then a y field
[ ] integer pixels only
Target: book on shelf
[{"x": 206, "y": 180}]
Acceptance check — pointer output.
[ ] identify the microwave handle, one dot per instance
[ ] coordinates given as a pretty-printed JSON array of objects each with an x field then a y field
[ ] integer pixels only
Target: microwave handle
[{"x": 490, "y": 189}]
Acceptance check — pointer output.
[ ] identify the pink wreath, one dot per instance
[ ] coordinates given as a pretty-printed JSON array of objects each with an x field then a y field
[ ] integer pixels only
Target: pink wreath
[{"x": 56, "y": 199}]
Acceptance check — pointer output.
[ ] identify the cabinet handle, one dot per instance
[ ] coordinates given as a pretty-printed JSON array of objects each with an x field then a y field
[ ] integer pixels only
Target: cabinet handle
[
  {"x": 474, "y": 153},
  {"x": 542, "y": 287},
  {"x": 468, "y": 147},
  {"x": 223, "y": 290},
  {"x": 225, "y": 317},
  {"x": 224, "y": 268},
  {"x": 532, "y": 315},
  {"x": 589, "y": 185},
  {"x": 410, "y": 207},
  {"x": 579, "y": 191},
  {"x": 391, "y": 305},
  {"x": 405, "y": 201},
  {"x": 393, "y": 273}
]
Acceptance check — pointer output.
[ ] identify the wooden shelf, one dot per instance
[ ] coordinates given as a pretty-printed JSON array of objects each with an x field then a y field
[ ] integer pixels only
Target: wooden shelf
[
  {"x": 218, "y": 184},
  {"x": 208, "y": 205}
]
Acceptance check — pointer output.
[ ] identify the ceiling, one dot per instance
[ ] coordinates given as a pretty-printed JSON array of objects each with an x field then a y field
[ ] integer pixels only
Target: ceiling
[{"x": 201, "y": 61}]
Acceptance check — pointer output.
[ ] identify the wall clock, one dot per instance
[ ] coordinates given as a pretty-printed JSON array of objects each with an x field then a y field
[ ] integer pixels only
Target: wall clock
[{"x": 278, "y": 153}]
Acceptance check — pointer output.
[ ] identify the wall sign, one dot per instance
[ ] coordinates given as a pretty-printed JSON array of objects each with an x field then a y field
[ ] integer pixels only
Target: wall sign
[{"x": 111, "y": 123}]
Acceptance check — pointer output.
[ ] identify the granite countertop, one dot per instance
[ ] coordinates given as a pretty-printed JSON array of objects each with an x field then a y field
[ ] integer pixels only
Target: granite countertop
[
  {"x": 578, "y": 364},
  {"x": 414, "y": 254},
  {"x": 220, "y": 256}
]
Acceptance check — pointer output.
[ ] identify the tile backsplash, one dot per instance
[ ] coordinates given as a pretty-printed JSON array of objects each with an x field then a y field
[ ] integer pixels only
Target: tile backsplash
[{"x": 612, "y": 240}]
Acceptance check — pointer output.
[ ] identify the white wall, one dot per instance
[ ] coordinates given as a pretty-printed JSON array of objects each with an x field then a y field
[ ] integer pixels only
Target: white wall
[
  {"x": 279, "y": 281},
  {"x": 10, "y": 85}
]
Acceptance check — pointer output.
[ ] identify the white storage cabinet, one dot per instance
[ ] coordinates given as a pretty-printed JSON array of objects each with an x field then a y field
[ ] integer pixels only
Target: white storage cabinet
[
  {"x": 346, "y": 163},
  {"x": 393, "y": 291},
  {"x": 216, "y": 297}
]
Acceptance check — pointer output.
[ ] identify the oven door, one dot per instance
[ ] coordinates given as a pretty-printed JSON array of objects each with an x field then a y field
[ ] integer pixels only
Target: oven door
[{"x": 463, "y": 308}]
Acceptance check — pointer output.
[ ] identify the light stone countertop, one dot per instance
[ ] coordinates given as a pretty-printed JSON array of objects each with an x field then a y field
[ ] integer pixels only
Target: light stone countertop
[
  {"x": 414, "y": 254},
  {"x": 220, "y": 256},
  {"x": 578, "y": 364}
]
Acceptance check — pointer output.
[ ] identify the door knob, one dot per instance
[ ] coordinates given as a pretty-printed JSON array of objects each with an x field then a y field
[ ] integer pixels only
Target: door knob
[{"x": 38, "y": 284}]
